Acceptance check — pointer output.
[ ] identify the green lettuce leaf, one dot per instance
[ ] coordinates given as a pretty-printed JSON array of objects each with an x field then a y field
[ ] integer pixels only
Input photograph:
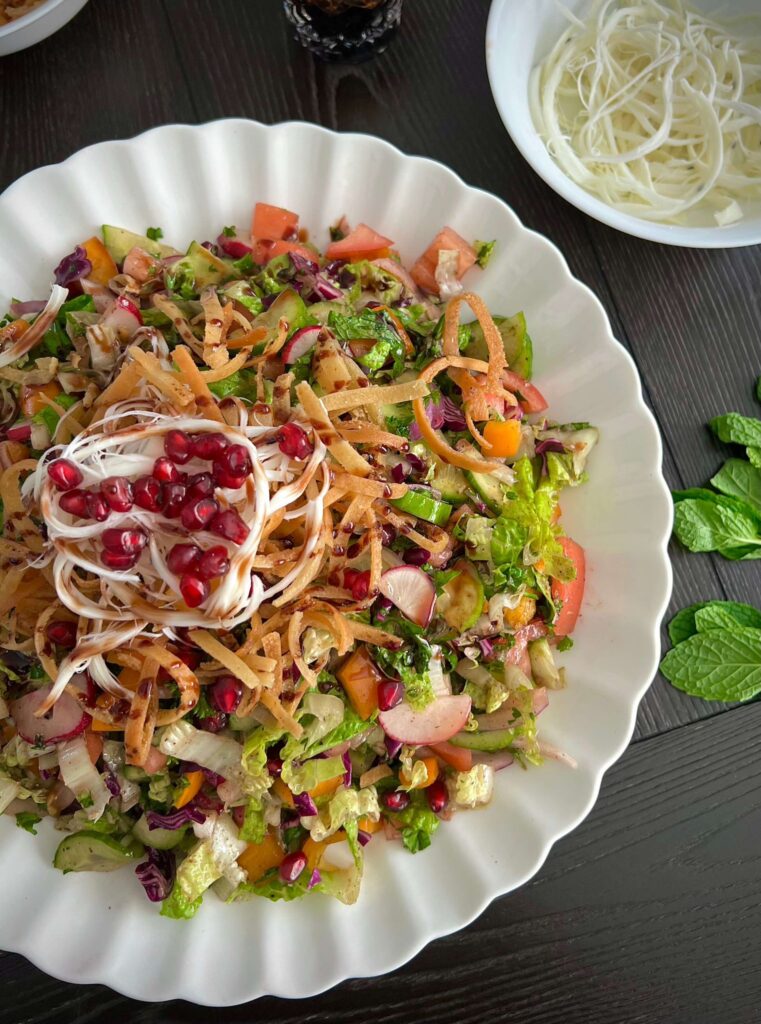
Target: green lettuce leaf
[{"x": 178, "y": 906}]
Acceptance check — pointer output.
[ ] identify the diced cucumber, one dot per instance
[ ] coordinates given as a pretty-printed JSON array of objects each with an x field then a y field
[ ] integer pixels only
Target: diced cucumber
[
  {"x": 119, "y": 241},
  {"x": 158, "y": 838},
  {"x": 486, "y": 742},
  {"x": 243, "y": 293},
  {"x": 320, "y": 311},
  {"x": 92, "y": 851},
  {"x": 488, "y": 488},
  {"x": 289, "y": 306},
  {"x": 450, "y": 482},
  {"x": 422, "y": 505},
  {"x": 462, "y": 599},
  {"x": 515, "y": 339},
  {"x": 199, "y": 268}
]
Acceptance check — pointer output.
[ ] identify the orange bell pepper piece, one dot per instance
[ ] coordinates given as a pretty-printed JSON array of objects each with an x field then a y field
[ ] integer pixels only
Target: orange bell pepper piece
[
  {"x": 195, "y": 781},
  {"x": 259, "y": 858},
  {"x": 103, "y": 267},
  {"x": 359, "y": 677},
  {"x": 30, "y": 396},
  {"x": 314, "y": 852},
  {"x": 432, "y": 773},
  {"x": 504, "y": 438},
  {"x": 280, "y": 789}
]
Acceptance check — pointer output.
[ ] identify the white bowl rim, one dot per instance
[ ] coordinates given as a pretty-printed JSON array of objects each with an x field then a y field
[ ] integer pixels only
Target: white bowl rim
[
  {"x": 558, "y": 180},
  {"x": 394, "y": 961},
  {"x": 46, "y": 7}
]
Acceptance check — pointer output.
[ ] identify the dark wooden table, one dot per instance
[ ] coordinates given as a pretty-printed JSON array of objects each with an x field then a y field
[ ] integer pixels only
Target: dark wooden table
[{"x": 650, "y": 912}]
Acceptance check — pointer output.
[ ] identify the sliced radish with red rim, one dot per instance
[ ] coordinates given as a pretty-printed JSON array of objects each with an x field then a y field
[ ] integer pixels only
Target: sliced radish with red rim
[
  {"x": 437, "y": 722},
  {"x": 412, "y": 591},
  {"x": 65, "y": 721}
]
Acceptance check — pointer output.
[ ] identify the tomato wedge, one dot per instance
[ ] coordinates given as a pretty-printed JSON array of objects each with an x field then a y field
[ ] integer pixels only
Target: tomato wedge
[
  {"x": 424, "y": 270},
  {"x": 360, "y": 244},
  {"x": 273, "y": 222},
  {"x": 531, "y": 398},
  {"x": 571, "y": 594},
  {"x": 280, "y": 247}
]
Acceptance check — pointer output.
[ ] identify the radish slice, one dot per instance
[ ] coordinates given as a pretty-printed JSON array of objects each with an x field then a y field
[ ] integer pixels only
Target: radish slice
[
  {"x": 434, "y": 724},
  {"x": 300, "y": 344},
  {"x": 411, "y": 591},
  {"x": 504, "y": 717},
  {"x": 233, "y": 246},
  {"x": 123, "y": 316},
  {"x": 65, "y": 721},
  {"x": 440, "y": 681},
  {"x": 20, "y": 432}
]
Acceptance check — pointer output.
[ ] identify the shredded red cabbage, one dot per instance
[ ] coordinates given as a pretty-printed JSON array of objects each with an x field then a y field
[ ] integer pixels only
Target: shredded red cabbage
[
  {"x": 364, "y": 837},
  {"x": 72, "y": 267},
  {"x": 177, "y": 819},
  {"x": 157, "y": 874},
  {"x": 392, "y": 747},
  {"x": 305, "y": 805},
  {"x": 550, "y": 444},
  {"x": 112, "y": 784},
  {"x": 443, "y": 413},
  {"x": 315, "y": 879},
  {"x": 347, "y": 768}
]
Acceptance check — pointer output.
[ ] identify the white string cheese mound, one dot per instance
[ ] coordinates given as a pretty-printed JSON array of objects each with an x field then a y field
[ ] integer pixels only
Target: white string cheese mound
[{"x": 655, "y": 109}]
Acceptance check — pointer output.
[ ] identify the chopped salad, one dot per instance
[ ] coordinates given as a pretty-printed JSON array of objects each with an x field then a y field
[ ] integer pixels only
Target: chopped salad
[{"x": 282, "y": 556}]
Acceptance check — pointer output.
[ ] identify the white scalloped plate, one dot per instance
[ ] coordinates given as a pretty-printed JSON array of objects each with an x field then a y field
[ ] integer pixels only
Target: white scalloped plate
[{"x": 191, "y": 181}]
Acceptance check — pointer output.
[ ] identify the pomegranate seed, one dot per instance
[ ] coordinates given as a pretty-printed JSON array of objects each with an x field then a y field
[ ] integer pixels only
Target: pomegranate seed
[
  {"x": 97, "y": 507},
  {"x": 213, "y": 563},
  {"x": 117, "y": 560},
  {"x": 179, "y": 446},
  {"x": 225, "y": 694},
  {"x": 209, "y": 446},
  {"x": 213, "y": 723},
  {"x": 190, "y": 656},
  {"x": 193, "y": 590},
  {"x": 294, "y": 442},
  {"x": 228, "y": 524},
  {"x": 75, "y": 503},
  {"x": 390, "y": 693},
  {"x": 416, "y": 556},
  {"x": 274, "y": 766},
  {"x": 234, "y": 460},
  {"x": 62, "y": 633},
  {"x": 292, "y": 866},
  {"x": 183, "y": 557},
  {"x": 172, "y": 500},
  {"x": 438, "y": 796},
  {"x": 200, "y": 485},
  {"x": 124, "y": 542},
  {"x": 396, "y": 800},
  {"x": 117, "y": 490},
  {"x": 224, "y": 479},
  {"x": 165, "y": 470},
  {"x": 197, "y": 515},
  {"x": 360, "y": 586},
  {"x": 65, "y": 475},
  {"x": 147, "y": 493},
  {"x": 20, "y": 432}
]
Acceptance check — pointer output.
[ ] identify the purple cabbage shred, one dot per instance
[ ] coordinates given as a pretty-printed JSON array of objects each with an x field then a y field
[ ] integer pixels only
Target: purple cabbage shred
[
  {"x": 347, "y": 768},
  {"x": 305, "y": 805},
  {"x": 363, "y": 837},
  {"x": 177, "y": 819},
  {"x": 315, "y": 879},
  {"x": 112, "y": 784},
  {"x": 157, "y": 874},
  {"x": 72, "y": 267}
]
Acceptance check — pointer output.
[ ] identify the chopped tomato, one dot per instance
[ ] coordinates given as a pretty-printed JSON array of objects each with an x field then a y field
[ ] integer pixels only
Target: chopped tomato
[
  {"x": 457, "y": 757},
  {"x": 423, "y": 277},
  {"x": 531, "y": 398},
  {"x": 103, "y": 267},
  {"x": 273, "y": 222},
  {"x": 424, "y": 270},
  {"x": 361, "y": 244},
  {"x": 571, "y": 594},
  {"x": 278, "y": 248}
]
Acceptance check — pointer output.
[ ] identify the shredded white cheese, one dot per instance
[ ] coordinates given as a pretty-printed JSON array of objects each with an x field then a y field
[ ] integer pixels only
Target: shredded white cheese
[{"x": 655, "y": 108}]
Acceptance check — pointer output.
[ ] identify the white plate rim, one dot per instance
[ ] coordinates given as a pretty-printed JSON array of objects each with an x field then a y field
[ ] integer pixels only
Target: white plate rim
[{"x": 46, "y": 958}]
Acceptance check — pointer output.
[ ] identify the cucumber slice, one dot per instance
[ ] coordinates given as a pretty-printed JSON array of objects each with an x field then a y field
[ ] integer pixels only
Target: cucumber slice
[
  {"x": 488, "y": 488},
  {"x": 119, "y": 241},
  {"x": 486, "y": 742},
  {"x": 92, "y": 851},
  {"x": 288, "y": 305},
  {"x": 199, "y": 268},
  {"x": 515, "y": 339},
  {"x": 462, "y": 599},
  {"x": 450, "y": 481},
  {"x": 320, "y": 311},
  {"x": 422, "y": 505},
  {"x": 158, "y": 838}
]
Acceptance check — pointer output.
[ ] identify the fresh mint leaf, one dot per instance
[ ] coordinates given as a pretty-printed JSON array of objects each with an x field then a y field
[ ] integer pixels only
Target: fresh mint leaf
[
  {"x": 371, "y": 325},
  {"x": 417, "y": 824},
  {"x": 720, "y": 665},
  {"x": 229, "y": 232},
  {"x": 736, "y": 429},
  {"x": 754, "y": 456},
  {"x": 738, "y": 479},
  {"x": 154, "y": 234},
  {"x": 565, "y": 643},
  {"x": 27, "y": 820},
  {"x": 683, "y": 624},
  {"x": 705, "y": 525},
  {"x": 727, "y": 615},
  {"x": 484, "y": 251},
  {"x": 241, "y": 383}
]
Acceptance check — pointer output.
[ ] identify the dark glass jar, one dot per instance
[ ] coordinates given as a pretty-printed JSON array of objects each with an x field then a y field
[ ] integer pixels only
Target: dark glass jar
[{"x": 344, "y": 30}]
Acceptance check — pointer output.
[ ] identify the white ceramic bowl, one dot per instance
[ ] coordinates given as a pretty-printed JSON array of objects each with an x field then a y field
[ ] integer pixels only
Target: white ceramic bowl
[
  {"x": 191, "y": 181},
  {"x": 40, "y": 23},
  {"x": 519, "y": 35}
]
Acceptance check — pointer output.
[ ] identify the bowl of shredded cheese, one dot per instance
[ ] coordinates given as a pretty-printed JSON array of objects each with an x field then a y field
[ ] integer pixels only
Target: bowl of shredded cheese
[
  {"x": 26, "y": 22},
  {"x": 645, "y": 114}
]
